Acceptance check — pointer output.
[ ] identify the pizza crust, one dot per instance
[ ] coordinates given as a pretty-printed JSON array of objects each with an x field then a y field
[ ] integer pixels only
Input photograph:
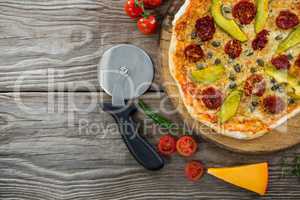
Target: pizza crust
[
  {"x": 181, "y": 11},
  {"x": 242, "y": 135}
]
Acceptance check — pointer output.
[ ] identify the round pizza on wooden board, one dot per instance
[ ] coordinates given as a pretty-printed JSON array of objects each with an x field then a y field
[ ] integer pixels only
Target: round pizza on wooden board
[{"x": 236, "y": 65}]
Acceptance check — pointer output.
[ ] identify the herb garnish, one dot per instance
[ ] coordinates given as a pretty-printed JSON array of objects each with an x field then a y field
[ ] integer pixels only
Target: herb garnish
[
  {"x": 296, "y": 169},
  {"x": 157, "y": 118},
  {"x": 292, "y": 169},
  {"x": 160, "y": 120}
]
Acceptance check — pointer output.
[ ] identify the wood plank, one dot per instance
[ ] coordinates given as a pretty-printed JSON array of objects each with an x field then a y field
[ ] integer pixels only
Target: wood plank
[
  {"x": 45, "y": 154},
  {"x": 56, "y": 45}
]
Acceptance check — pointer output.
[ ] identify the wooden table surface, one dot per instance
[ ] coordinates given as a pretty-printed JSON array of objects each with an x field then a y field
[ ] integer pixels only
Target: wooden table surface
[{"x": 57, "y": 144}]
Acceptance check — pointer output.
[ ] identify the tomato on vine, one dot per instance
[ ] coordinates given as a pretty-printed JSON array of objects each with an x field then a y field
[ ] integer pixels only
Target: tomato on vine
[
  {"x": 152, "y": 3},
  {"x": 134, "y": 8},
  {"x": 147, "y": 24}
]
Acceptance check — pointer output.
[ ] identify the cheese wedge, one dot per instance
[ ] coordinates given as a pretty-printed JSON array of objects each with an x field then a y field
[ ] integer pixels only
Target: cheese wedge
[{"x": 251, "y": 177}]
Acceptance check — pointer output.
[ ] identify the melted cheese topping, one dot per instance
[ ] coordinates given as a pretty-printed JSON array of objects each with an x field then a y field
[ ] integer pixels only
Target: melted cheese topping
[{"x": 248, "y": 121}]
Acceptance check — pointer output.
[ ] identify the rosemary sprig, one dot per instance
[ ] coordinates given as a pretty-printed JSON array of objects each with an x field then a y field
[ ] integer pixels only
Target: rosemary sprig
[
  {"x": 296, "y": 168},
  {"x": 159, "y": 119},
  {"x": 291, "y": 168}
]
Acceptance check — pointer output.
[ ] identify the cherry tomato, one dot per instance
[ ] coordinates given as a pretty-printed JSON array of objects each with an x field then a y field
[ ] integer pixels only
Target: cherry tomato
[
  {"x": 194, "y": 170},
  {"x": 134, "y": 8},
  {"x": 147, "y": 25},
  {"x": 167, "y": 145},
  {"x": 152, "y": 3},
  {"x": 186, "y": 146}
]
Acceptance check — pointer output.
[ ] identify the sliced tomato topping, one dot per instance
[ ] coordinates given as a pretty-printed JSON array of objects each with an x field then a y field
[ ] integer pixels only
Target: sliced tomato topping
[
  {"x": 194, "y": 170},
  {"x": 186, "y": 146},
  {"x": 167, "y": 145}
]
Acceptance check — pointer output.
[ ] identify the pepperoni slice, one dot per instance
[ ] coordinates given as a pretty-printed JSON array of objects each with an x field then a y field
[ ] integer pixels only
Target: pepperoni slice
[
  {"x": 233, "y": 49},
  {"x": 255, "y": 85},
  {"x": 261, "y": 40},
  {"x": 281, "y": 62},
  {"x": 297, "y": 63},
  {"x": 194, "y": 52},
  {"x": 273, "y": 104},
  {"x": 244, "y": 11},
  {"x": 205, "y": 28},
  {"x": 287, "y": 19},
  {"x": 212, "y": 98}
]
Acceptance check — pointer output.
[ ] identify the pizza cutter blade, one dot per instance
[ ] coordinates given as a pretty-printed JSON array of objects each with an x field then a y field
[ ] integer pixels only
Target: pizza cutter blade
[{"x": 126, "y": 72}]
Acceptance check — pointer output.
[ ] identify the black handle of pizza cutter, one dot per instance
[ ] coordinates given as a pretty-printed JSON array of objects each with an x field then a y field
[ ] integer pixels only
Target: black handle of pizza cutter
[{"x": 142, "y": 151}]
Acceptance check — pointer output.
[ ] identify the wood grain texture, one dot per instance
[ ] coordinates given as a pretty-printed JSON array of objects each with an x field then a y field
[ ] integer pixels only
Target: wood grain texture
[
  {"x": 47, "y": 155},
  {"x": 281, "y": 138},
  {"x": 56, "y": 45},
  {"x": 61, "y": 146}
]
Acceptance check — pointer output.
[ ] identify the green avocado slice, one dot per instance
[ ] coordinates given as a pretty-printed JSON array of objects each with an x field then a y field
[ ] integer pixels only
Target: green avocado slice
[
  {"x": 282, "y": 76},
  {"x": 230, "y": 106},
  {"x": 209, "y": 74},
  {"x": 262, "y": 14},
  {"x": 292, "y": 40},
  {"x": 228, "y": 25}
]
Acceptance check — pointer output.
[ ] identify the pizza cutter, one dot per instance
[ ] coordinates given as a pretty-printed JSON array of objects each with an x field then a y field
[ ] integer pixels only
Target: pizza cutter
[{"x": 126, "y": 72}]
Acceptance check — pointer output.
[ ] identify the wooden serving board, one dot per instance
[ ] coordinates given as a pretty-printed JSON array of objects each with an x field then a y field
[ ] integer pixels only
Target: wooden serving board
[{"x": 284, "y": 137}]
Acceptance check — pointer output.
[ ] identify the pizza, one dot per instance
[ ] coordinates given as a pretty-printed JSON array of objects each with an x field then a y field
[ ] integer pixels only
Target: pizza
[{"x": 236, "y": 63}]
